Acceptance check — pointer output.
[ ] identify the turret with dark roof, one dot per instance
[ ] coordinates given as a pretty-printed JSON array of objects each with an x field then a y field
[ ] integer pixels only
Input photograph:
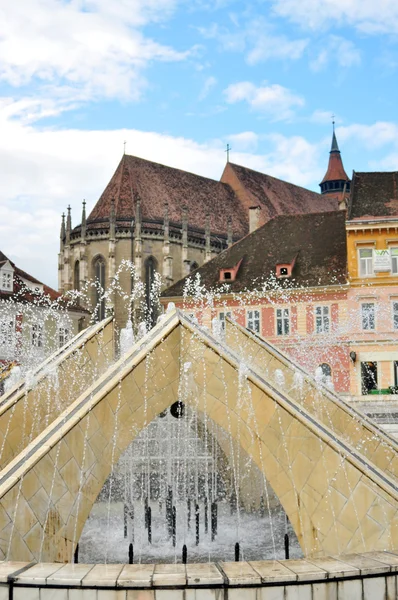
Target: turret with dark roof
[{"x": 336, "y": 182}]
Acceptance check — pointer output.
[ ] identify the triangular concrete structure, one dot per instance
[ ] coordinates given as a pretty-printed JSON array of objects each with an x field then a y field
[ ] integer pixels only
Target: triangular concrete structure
[{"x": 336, "y": 499}]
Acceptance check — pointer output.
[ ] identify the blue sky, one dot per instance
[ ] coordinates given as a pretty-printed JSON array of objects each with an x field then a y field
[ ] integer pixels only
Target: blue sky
[{"x": 178, "y": 81}]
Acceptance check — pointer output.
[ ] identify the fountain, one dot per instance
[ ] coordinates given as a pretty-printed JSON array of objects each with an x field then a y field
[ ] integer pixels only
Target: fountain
[{"x": 180, "y": 453}]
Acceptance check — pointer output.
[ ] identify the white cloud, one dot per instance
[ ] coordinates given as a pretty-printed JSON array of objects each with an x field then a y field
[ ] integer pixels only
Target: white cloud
[
  {"x": 257, "y": 39},
  {"x": 366, "y": 15},
  {"x": 322, "y": 117},
  {"x": 373, "y": 136},
  {"x": 93, "y": 46},
  {"x": 208, "y": 85},
  {"x": 273, "y": 99},
  {"x": 337, "y": 49},
  {"x": 44, "y": 170},
  {"x": 247, "y": 140}
]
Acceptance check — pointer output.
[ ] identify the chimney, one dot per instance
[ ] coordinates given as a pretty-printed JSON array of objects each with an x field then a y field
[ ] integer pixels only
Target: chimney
[
  {"x": 254, "y": 217},
  {"x": 229, "y": 232}
]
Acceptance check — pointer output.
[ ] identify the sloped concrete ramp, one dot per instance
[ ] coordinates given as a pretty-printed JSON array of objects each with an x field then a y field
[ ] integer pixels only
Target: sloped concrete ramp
[
  {"x": 336, "y": 498},
  {"x": 34, "y": 402},
  {"x": 323, "y": 404}
]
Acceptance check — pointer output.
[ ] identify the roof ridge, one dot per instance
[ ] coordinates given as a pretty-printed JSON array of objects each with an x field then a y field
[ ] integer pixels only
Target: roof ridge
[
  {"x": 152, "y": 162},
  {"x": 276, "y": 178}
]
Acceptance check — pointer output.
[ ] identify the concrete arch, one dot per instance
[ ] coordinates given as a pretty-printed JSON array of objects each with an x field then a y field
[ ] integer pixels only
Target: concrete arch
[{"x": 336, "y": 499}]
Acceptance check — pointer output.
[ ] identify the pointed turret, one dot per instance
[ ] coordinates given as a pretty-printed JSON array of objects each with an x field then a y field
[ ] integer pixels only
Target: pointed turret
[
  {"x": 84, "y": 221},
  {"x": 336, "y": 181},
  {"x": 63, "y": 232},
  {"x": 68, "y": 225}
]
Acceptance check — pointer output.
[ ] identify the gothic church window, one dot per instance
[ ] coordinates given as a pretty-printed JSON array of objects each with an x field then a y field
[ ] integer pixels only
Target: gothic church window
[
  {"x": 151, "y": 300},
  {"x": 76, "y": 276},
  {"x": 99, "y": 278}
]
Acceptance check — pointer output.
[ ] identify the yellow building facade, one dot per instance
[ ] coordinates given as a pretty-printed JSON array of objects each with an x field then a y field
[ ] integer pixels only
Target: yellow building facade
[{"x": 372, "y": 302}]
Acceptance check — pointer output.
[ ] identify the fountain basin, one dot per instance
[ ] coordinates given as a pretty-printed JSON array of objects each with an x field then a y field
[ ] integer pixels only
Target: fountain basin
[{"x": 371, "y": 575}]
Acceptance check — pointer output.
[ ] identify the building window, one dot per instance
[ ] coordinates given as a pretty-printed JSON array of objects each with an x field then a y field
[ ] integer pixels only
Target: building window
[
  {"x": 365, "y": 262},
  {"x": 99, "y": 277},
  {"x": 326, "y": 370},
  {"x": 322, "y": 319},
  {"x": 63, "y": 336},
  {"x": 7, "y": 329},
  {"x": 394, "y": 261},
  {"x": 194, "y": 265},
  {"x": 282, "y": 321},
  {"x": 253, "y": 320},
  {"x": 368, "y": 316},
  {"x": 368, "y": 377},
  {"x": 6, "y": 281},
  {"x": 150, "y": 292},
  {"x": 222, "y": 316},
  {"x": 37, "y": 335},
  {"x": 395, "y": 315}
]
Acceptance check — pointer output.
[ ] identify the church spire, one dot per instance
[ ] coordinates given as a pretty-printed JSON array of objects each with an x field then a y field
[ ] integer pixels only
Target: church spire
[{"x": 336, "y": 181}]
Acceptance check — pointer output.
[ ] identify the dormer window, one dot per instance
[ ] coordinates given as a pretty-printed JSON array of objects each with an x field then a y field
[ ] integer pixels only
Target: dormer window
[
  {"x": 230, "y": 273},
  {"x": 283, "y": 271}
]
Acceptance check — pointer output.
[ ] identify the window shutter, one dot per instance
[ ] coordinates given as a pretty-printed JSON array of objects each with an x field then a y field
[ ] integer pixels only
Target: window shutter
[
  {"x": 310, "y": 318},
  {"x": 293, "y": 320},
  {"x": 268, "y": 323},
  {"x": 334, "y": 316}
]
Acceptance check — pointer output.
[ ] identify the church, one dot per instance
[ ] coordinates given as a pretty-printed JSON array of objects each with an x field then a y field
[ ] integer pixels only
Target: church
[{"x": 168, "y": 221}]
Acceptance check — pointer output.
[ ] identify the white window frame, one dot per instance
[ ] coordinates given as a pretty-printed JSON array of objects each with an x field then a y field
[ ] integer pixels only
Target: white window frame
[
  {"x": 221, "y": 317},
  {"x": 365, "y": 264},
  {"x": 7, "y": 331},
  {"x": 7, "y": 278},
  {"x": 394, "y": 260},
  {"x": 322, "y": 318},
  {"x": 282, "y": 317},
  {"x": 365, "y": 318},
  {"x": 395, "y": 314},
  {"x": 37, "y": 335},
  {"x": 253, "y": 320}
]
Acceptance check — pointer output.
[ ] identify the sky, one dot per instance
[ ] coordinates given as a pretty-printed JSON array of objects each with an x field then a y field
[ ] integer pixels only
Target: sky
[{"x": 178, "y": 80}]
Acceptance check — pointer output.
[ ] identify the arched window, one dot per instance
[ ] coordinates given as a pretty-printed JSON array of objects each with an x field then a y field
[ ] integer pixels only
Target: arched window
[
  {"x": 324, "y": 375},
  {"x": 326, "y": 370},
  {"x": 151, "y": 301},
  {"x": 194, "y": 265},
  {"x": 76, "y": 276},
  {"x": 99, "y": 278}
]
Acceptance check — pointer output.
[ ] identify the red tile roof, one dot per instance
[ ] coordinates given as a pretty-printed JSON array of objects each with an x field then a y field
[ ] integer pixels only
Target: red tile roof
[
  {"x": 275, "y": 196},
  {"x": 239, "y": 189},
  {"x": 20, "y": 292},
  {"x": 157, "y": 184},
  {"x": 335, "y": 170}
]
